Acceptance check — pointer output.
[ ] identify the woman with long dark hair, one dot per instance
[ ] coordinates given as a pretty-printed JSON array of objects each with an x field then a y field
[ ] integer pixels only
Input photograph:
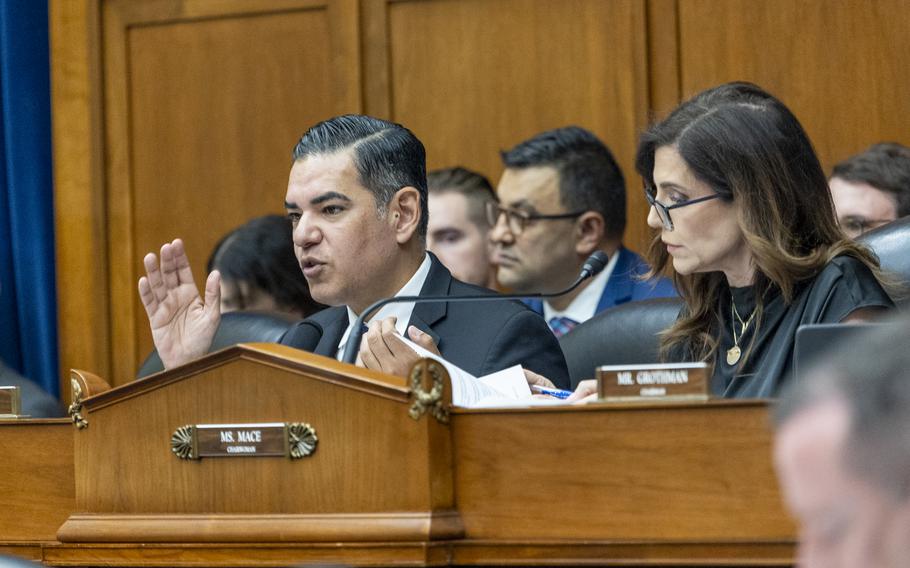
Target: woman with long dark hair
[
  {"x": 746, "y": 220},
  {"x": 746, "y": 225}
]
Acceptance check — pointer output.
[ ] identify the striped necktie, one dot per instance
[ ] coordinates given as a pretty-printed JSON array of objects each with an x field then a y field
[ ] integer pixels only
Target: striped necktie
[{"x": 561, "y": 325}]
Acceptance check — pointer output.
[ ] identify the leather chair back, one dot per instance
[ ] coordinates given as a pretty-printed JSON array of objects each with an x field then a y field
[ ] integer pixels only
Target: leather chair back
[
  {"x": 625, "y": 334},
  {"x": 891, "y": 243},
  {"x": 235, "y": 327}
]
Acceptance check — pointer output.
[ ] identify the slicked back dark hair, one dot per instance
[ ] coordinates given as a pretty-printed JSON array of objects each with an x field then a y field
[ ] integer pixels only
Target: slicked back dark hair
[
  {"x": 884, "y": 166},
  {"x": 475, "y": 188},
  {"x": 387, "y": 156},
  {"x": 589, "y": 177}
]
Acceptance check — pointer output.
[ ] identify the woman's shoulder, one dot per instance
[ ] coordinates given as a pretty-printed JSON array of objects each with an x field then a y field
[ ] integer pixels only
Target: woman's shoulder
[
  {"x": 847, "y": 266},
  {"x": 848, "y": 283}
]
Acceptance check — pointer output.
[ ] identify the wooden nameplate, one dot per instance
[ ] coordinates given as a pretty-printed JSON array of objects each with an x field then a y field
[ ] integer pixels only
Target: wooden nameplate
[
  {"x": 10, "y": 402},
  {"x": 653, "y": 382}
]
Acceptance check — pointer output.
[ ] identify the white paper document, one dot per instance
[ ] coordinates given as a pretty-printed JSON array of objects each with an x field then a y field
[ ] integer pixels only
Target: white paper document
[{"x": 505, "y": 388}]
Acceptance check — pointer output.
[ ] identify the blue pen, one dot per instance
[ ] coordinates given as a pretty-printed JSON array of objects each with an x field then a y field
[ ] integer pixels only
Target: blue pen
[{"x": 556, "y": 393}]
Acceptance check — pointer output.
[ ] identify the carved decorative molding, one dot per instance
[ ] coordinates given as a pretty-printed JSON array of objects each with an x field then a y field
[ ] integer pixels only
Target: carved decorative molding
[
  {"x": 75, "y": 408},
  {"x": 424, "y": 371}
]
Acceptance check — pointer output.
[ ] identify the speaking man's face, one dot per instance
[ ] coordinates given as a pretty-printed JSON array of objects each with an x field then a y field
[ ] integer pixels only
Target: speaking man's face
[
  {"x": 844, "y": 521},
  {"x": 342, "y": 242}
]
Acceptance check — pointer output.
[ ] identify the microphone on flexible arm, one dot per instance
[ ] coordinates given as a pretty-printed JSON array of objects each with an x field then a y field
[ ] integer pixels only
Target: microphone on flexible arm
[{"x": 592, "y": 267}]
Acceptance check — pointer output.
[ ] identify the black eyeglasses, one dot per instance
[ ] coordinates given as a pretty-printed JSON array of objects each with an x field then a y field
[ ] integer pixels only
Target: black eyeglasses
[
  {"x": 856, "y": 226},
  {"x": 517, "y": 219},
  {"x": 663, "y": 211}
]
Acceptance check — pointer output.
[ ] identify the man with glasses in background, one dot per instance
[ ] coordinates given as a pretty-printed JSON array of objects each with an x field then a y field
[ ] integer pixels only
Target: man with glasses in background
[
  {"x": 562, "y": 197},
  {"x": 872, "y": 189}
]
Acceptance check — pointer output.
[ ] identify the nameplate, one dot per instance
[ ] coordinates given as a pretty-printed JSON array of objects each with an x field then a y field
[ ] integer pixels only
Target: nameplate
[
  {"x": 670, "y": 381},
  {"x": 272, "y": 439},
  {"x": 10, "y": 402}
]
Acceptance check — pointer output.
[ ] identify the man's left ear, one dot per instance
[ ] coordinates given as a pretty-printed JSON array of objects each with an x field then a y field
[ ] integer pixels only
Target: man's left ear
[
  {"x": 589, "y": 233},
  {"x": 404, "y": 213}
]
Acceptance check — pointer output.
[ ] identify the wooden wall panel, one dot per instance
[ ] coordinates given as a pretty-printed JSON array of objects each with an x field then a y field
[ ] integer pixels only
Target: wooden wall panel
[
  {"x": 839, "y": 64},
  {"x": 471, "y": 77},
  {"x": 176, "y": 117},
  {"x": 663, "y": 57},
  {"x": 203, "y": 103},
  {"x": 79, "y": 211}
]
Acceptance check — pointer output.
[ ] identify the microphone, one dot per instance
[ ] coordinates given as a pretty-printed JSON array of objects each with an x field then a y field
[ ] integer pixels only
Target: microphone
[{"x": 592, "y": 267}]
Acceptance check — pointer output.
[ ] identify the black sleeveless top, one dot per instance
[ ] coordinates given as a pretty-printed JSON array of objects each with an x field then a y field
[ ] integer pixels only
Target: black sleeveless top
[{"x": 844, "y": 285}]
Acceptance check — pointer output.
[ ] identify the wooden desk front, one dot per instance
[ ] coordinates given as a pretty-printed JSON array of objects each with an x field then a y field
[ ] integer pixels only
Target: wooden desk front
[
  {"x": 37, "y": 491},
  {"x": 631, "y": 485}
]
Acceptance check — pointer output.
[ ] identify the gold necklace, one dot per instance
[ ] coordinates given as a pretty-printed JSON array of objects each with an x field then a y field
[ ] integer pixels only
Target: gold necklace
[{"x": 734, "y": 353}]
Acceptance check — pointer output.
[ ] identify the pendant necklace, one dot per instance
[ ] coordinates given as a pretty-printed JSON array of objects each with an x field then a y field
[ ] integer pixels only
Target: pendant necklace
[{"x": 734, "y": 353}]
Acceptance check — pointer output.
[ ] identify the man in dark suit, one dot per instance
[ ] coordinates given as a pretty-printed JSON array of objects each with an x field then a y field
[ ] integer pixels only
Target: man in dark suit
[
  {"x": 563, "y": 197},
  {"x": 357, "y": 197}
]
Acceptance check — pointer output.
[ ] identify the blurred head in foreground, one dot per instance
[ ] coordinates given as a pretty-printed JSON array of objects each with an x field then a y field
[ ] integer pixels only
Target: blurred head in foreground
[{"x": 842, "y": 453}]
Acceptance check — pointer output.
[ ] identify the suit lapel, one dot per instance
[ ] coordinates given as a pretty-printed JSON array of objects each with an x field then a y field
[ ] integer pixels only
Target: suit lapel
[
  {"x": 423, "y": 317},
  {"x": 438, "y": 282},
  {"x": 332, "y": 332},
  {"x": 620, "y": 285}
]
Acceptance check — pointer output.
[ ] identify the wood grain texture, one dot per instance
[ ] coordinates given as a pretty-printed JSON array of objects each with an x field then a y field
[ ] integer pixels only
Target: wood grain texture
[
  {"x": 619, "y": 553},
  {"x": 331, "y": 554},
  {"x": 473, "y": 77},
  {"x": 189, "y": 134},
  {"x": 30, "y": 551},
  {"x": 639, "y": 484},
  {"x": 206, "y": 103},
  {"x": 79, "y": 211},
  {"x": 674, "y": 473},
  {"x": 176, "y": 117},
  {"x": 348, "y": 528},
  {"x": 458, "y": 553},
  {"x": 663, "y": 57},
  {"x": 373, "y": 475},
  {"x": 840, "y": 66},
  {"x": 36, "y": 481}
]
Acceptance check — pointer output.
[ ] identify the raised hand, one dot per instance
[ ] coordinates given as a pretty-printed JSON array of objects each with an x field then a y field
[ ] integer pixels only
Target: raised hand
[{"x": 183, "y": 326}]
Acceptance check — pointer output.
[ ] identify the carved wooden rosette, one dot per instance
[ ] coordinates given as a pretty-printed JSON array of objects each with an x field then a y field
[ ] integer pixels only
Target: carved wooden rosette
[
  {"x": 183, "y": 443},
  {"x": 302, "y": 440}
]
